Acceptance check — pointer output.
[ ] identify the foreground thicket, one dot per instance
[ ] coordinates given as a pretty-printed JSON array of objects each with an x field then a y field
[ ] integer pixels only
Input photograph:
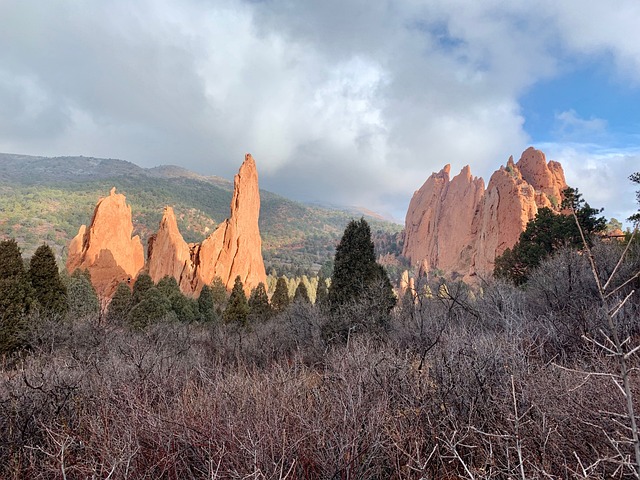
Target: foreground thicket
[{"x": 496, "y": 383}]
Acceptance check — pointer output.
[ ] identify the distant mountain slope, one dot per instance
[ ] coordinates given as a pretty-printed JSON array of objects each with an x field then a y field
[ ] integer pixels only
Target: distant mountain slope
[{"x": 47, "y": 199}]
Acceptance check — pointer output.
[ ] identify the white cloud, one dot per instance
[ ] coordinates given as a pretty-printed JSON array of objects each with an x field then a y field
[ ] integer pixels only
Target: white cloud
[
  {"x": 570, "y": 125},
  {"x": 601, "y": 174},
  {"x": 345, "y": 101},
  {"x": 594, "y": 28}
]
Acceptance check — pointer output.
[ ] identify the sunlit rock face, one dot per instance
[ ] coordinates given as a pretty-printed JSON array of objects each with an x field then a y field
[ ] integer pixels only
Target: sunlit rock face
[
  {"x": 106, "y": 248},
  {"x": 458, "y": 226},
  {"x": 234, "y": 248}
]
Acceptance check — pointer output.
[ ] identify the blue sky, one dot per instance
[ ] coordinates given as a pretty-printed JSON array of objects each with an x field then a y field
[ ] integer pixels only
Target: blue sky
[
  {"x": 589, "y": 117},
  {"x": 343, "y": 101},
  {"x": 608, "y": 107}
]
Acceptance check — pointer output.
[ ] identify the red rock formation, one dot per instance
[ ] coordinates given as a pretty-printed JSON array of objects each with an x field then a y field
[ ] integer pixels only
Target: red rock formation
[
  {"x": 443, "y": 206},
  {"x": 169, "y": 254},
  {"x": 459, "y": 227},
  {"x": 106, "y": 248},
  {"x": 234, "y": 248}
]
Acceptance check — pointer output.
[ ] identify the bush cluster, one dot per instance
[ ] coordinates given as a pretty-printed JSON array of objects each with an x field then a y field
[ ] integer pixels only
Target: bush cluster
[{"x": 493, "y": 382}]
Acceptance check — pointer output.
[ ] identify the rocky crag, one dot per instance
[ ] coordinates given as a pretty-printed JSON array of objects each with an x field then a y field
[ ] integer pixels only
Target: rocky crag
[
  {"x": 106, "y": 249},
  {"x": 234, "y": 248},
  {"x": 111, "y": 256},
  {"x": 460, "y": 227}
]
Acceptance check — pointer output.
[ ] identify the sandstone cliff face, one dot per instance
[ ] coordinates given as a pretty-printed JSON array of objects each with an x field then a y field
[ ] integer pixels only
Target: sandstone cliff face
[
  {"x": 106, "y": 248},
  {"x": 457, "y": 226},
  {"x": 234, "y": 248},
  {"x": 168, "y": 253},
  {"x": 442, "y": 205}
]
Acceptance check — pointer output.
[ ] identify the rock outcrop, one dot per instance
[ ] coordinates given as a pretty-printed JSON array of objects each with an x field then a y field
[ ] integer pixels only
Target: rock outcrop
[
  {"x": 438, "y": 227},
  {"x": 106, "y": 249},
  {"x": 234, "y": 248},
  {"x": 459, "y": 227}
]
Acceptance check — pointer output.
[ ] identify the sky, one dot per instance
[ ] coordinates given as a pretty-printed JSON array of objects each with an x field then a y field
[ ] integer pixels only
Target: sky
[{"x": 347, "y": 102}]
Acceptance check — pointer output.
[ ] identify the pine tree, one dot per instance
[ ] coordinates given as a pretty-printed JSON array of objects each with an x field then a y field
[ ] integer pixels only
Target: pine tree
[
  {"x": 280, "y": 298},
  {"x": 547, "y": 232},
  {"x": 356, "y": 275},
  {"x": 259, "y": 308},
  {"x": 81, "y": 296},
  {"x": 168, "y": 286},
  {"x": 15, "y": 298},
  {"x": 153, "y": 307},
  {"x": 142, "y": 284},
  {"x": 49, "y": 291},
  {"x": 301, "y": 294},
  {"x": 185, "y": 308},
  {"x": 120, "y": 305},
  {"x": 206, "y": 306},
  {"x": 321, "y": 292},
  {"x": 11, "y": 264},
  {"x": 14, "y": 305},
  {"x": 237, "y": 310},
  {"x": 219, "y": 293}
]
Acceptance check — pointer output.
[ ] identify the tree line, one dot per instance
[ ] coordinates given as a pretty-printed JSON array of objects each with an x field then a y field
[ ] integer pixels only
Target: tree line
[
  {"x": 535, "y": 380},
  {"x": 41, "y": 289}
]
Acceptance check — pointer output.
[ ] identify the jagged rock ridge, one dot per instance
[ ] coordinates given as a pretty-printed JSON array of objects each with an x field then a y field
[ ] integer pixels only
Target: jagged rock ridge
[
  {"x": 458, "y": 226},
  {"x": 111, "y": 256},
  {"x": 234, "y": 248},
  {"x": 106, "y": 249}
]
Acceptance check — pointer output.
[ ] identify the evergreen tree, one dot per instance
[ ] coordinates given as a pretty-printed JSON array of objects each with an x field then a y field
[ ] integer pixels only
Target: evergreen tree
[
  {"x": 237, "y": 310},
  {"x": 81, "y": 296},
  {"x": 153, "y": 307},
  {"x": 321, "y": 292},
  {"x": 206, "y": 306},
  {"x": 49, "y": 291},
  {"x": 168, "y": 286},
  {"x": 219, "y": 293},
  {"x": 547, "y": 232},
  {"x": 356, "y": 275},
  {"x": 15, "y": 298},
  {"x": 301, "y": 294},
  {"x": 185, "y": 308},
  {"x": 280, "y": 298},
  {"x": 635, "y": 178},
  {"x": 360, "y": 296},
  {"x": 120, "y": 304},
  {"x": 142, "y": 284},
  {"x": 588, "y": 218},
  {"x": 408, "y": 304},
  {"x": 11, "y": 264},
  {"x": 259, "y": 308}
]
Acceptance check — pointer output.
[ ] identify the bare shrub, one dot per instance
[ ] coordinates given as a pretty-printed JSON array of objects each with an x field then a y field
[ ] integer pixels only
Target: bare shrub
[{"x": 464, "y": 384}]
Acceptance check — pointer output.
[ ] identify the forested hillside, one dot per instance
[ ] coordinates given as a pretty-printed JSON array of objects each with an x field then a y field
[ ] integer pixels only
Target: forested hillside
[{"x": 47, "y": 199}]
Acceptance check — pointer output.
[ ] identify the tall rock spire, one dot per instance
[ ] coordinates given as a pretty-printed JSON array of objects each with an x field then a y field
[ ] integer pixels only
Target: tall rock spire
[
  {"x": 234, "y": 248},
  {"x": 106, "y": 249}
]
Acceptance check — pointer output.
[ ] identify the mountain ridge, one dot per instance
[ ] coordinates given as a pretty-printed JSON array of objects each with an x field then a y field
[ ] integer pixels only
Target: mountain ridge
[{"x": 46, "y": 199}]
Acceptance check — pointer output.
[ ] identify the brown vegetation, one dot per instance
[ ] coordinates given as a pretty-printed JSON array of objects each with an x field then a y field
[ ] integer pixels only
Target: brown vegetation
[{"x": 495, "y": 383}]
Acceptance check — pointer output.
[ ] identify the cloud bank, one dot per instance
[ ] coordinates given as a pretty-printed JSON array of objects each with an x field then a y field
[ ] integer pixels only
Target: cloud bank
[{"x": 348, "y": 101}]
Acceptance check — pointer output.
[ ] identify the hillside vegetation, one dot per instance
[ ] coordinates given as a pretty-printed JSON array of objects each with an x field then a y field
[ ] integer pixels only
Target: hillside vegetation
[
  {"x": 495, "y": 383},
  {"x": 47, "y": 199}
]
